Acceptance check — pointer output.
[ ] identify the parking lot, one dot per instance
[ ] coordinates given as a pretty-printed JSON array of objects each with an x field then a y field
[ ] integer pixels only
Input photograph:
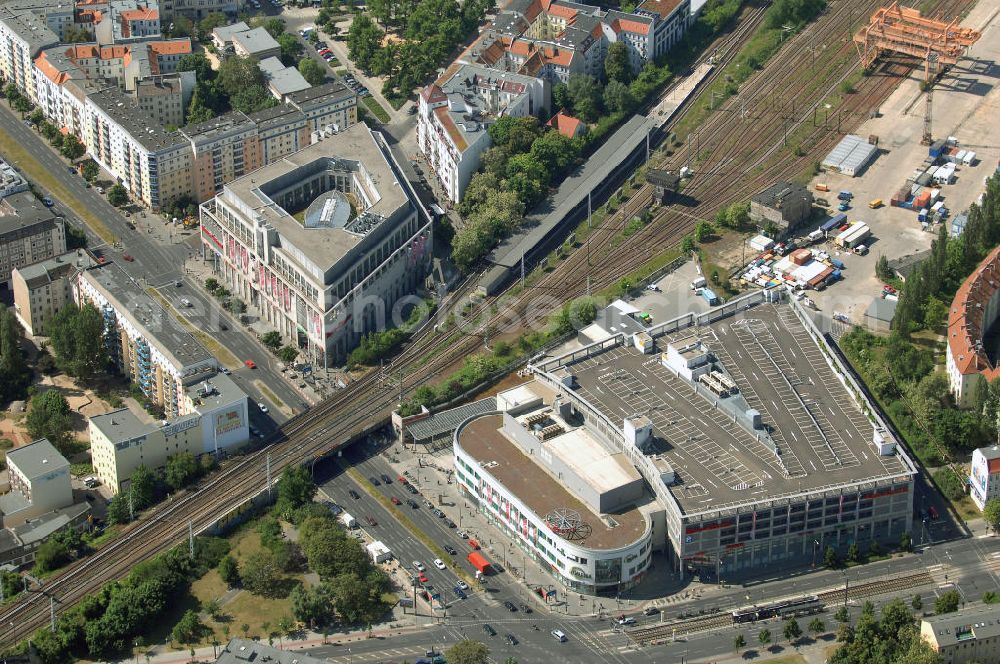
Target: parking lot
[{"x": 966, "y": 103}]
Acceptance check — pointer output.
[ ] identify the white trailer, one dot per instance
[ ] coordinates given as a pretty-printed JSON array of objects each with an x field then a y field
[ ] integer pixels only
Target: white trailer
[
  {"x": 348, "y": 521},
  {"x": 858, "y": 237}
]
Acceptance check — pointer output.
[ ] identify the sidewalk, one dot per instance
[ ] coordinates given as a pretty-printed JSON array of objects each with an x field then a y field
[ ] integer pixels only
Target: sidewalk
[{"x": 432, "y": 474}]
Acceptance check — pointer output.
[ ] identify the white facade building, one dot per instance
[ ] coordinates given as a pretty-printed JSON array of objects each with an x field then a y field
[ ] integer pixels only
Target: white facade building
[
  {"x": 455, "y": 112},
  {"x": 984, "y": 475},
  {"x": 39, "y": 483}
]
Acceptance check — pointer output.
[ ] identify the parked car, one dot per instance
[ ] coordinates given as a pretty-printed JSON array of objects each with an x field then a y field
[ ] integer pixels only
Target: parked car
[
  {"x": 419, "y": 566},
  {"x": 263, "y": 408},
  {"x": 459, "y": 593},
  {"x": 509, "y": 605},
  {"x": 450, "y": 550},
  {"x": 127, "y": 258},
  {"x": 511, "y": 639},
  {"x": 370, "y": 520},
  {"x": 463, "y": 585},
  {"x": 386, "y": 478},
  {"x": 412, "y": 503},
  {"x": 438, "y": 513},
  {"x": 650, "y": 611},
  {"x": 525, "y": 608},
  {"x": 412, "y": 489},
  {"x": 488, "y": 629}
]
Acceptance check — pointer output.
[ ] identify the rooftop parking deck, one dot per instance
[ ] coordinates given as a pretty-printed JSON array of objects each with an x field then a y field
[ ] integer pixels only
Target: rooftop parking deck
[{"x": 823, "y": 437}]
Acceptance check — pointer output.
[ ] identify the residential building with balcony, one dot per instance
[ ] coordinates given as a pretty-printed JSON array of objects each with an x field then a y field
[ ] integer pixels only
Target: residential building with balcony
[
  {"x": 223, "y": 149},
  {"x": 332, "y": 105},
  {"x": 359, "y": 242},
  {"x": 143, "y": 340}
]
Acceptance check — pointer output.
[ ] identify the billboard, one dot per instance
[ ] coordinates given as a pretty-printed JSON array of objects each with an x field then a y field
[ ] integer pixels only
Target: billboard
[{"x": 227, "y": 421}]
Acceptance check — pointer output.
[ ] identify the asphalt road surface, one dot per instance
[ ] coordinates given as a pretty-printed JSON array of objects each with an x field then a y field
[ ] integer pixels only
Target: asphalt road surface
[{"x": 159, "y": 265}]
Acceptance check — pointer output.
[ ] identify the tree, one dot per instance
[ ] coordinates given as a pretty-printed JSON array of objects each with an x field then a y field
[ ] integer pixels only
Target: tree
[
  {"x": 271, "y": 339},
  {"x": 188, "y": 629},
  {"x": 117, "y": 195},
  {"x": 359, "y": 600},
  {"x": 842, "y": 615},
  {"x": 77, "y": 340},
  {"x": 199, "y": 64},
  {"x": 260, "y": 573},
  {"x": 72, "y": 148},
  {"x": 515, "y": 134},
  {"x": 211, "y": 22},
  {"x": 585, "y": 92},
  {"x": 291, "y": 49},
  {"x": 817, "y": 626},
  {"x": 991, "y": 514},
  {"x": 90, "y": 170},
  {"x": 15, "y": 376},
  {"x": 882, "y": 270},
  {"x": 118, "y": 510},
  {"x": 181, "y": 470},
  {"x": 618, "y": 98},
  {"x": 287, "y": 354},
  {"x": 274, "y": 26},
  {"x": 229, "y": 571},
  {"x": 312, "y": 606},
  {"x": 792, "y": 631},
  {"x": 703, "y": 231},
  {"x": 364, "y": 38},
  {"x": 295, "y": 488},
  {"x": 616, "y": 63},
  {"x": 49, "y": 417},
  {"x": 36, "y": 117},
  {"x": 468, "y": 651},
  {"x": 197, "y": 110},
  {"x": 51, "y": 555},
  {"x": 764, "y": 637},
  {"x": 947, "y": 602},
  {"x": 853, "y": 552},
  {"x": 75, "y": 34},
  {"x": 917, "y": 603},
  {"x": 739, "y": 643},
  {"x": 311, "y": 71},
  {"x": 285, "y": 626},
  {"x": 238, "y": 74},
  {"x": 561, "y": 98},
  {"x": 830, "y": 557}
]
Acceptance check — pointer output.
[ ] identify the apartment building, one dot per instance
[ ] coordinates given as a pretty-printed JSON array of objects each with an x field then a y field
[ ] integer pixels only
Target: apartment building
[
  {"x": 966, "y": 636},
  {"x": 984, "y": 475},
  {"x": 455, "y": 112},
  {"x": 42, "y": 289},
  {"x": 29, "y": 232},
  {"x": 38, "y": 477},
  {"x": 281, "y": 130},
  {"x": 144, "y": 341},
  {"x": 217, "y": 421},
  {"x": 364, "y": 242},
  {"x": 166, "y": 98},
  {"x": 555, "y": 39},
  {"x": 223, "y": 149},
  {"x": 152, "y": 164},
  {"x": 328, "y": 105}
]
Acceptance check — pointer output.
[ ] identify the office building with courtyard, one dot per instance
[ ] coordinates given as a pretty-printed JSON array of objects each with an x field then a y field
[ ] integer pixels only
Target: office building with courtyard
[{"x": 323, "y": 245}]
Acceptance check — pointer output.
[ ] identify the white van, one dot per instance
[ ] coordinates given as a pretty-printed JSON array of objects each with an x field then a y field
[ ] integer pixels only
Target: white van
[{"x": 559, "y": 634}]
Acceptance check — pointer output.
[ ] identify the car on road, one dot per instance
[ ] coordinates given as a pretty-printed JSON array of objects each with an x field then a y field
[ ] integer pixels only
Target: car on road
[
  {"x": 262, "y": 406},
  {"x": 650, "y": 611},
  {"x": 626, "y": 620},
  {"x": 335, "y": 509},
  {"x": 450, "y": 550},
  {"x": 412, "y": 489},
  {"x": 374, "y": 481},
  {"x": 428, "y": 504},
  {"x": 459, "y": 593},
  {"x": 186, "y": 302},
  {"x": 511, "y": 639},
  {"x": 354, "y": 494},
  {"x": 72, "y": 171},
  {"x": 422, "y": 578},
  {"x": 509, "y": 605},
  {"x": 395, "y": 500},
  {"x": 559, "y": 634},
  {"x": 225, "y": 371},
  {"x": 438, "y": 513},
  {"x": 250, "y": 364},
  {"x": 127, "y": 258},
  {"x": 463, "y": 534},
  {"x": 370, "y": 520},
  {"x": 450, "y": 523},
  {"x": 525, "y": 608},
  {"x": 439, "y": 563},
  {"x": 48, "y": 202},
  {"x": 463, "y": 585},
  {"x": 386, "y": 479},
  {"x": 488, "y": 629},
  {"x": 412, "y": 503},
  {"x": 419, "y": 566}
]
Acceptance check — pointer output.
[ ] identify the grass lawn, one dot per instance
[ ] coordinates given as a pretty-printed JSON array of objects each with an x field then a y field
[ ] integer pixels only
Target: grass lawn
[
  {"x": 15, "y": 152},
  {"x": 245, "y": 608},
  {"x": 794, "y": 658},
  {"x": 376, "y": 109}
]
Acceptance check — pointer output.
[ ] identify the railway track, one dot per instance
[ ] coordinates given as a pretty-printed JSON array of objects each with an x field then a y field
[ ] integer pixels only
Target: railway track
[
  {"x": 646, "y": 636},
  {"x": 354, "y": 411}
]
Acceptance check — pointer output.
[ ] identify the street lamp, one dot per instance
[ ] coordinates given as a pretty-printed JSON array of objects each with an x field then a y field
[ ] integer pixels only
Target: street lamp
[{"x": 846, "y": 585}]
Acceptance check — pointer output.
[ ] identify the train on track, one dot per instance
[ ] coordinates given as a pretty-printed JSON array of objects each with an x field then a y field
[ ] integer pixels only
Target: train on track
[{"x": 802, "y": 606}]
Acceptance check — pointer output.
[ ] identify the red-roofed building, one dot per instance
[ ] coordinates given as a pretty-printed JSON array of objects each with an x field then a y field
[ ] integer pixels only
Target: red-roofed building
[
  {"x": 567, "y": 125},
  {"x": 984, "y": 476},
  {"x": 975, "y": 307}
]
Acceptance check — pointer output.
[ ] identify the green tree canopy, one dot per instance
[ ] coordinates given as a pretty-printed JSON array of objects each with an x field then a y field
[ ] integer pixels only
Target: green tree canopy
[
  {"x": 49, "y": 417},
  {"x": 468, "y": 651},
  {"x": 14, "y": 372},
  {"x": 616, "y": 63},
  {"x": 237, "y": 74},
  {"x": 117, "y": 195},
  {"x": 229, "y": 571},
  {"x": 211, "y": 22},
  {"x": 181, "y": 470},
  {"x": 947, "y": 602},
  {"x": 363, "y": 40},
  {"x": 199, "y": 64},
  {"x": 312, "y": 71},
  {"x": 312, "y": 606},
  {"x": 991, "y": 513},
  {"x": 586, "y": 94},
  {"x": 295, "y": 488},
  {"x": 260, "y": 573}
]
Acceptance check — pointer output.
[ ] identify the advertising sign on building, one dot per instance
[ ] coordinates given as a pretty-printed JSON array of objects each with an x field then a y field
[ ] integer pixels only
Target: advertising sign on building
[{"x": 227, "y": 421}]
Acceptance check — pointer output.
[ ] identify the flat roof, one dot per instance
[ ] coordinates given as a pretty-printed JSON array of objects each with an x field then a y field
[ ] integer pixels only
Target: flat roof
[
  {"x": 37, "y": 458},
  {"x": 57, "y": 267},
  {"x": 975, "y": 623},
  {"x": 539, "y": 491},
  {"x": 447, "y": 421},
  {"x": 157, "y": 325},
  {"x": 22, "y": 210},
  {"x": 126, "y": 112},
  {"x": 592, "y": 461},
  {"x": 257, "y": 40},
  {"x": 121, "y": 424},
  {"x": 824, "y": 437},
  {"x": 242, "y": 651},
  {"x": 333, "y": 90},
  {"x": 322, "y": 246}
]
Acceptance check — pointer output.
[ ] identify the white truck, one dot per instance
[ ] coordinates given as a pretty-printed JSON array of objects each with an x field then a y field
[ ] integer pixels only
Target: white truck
[{"x": 349, "y": 521}]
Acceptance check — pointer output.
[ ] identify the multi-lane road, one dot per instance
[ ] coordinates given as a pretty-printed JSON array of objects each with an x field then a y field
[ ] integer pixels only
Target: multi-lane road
[{"x": 157, "y": 264}]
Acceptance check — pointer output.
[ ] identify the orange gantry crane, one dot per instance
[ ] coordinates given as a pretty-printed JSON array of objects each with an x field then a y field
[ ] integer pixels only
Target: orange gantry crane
[{"x": 905, "y": 30}]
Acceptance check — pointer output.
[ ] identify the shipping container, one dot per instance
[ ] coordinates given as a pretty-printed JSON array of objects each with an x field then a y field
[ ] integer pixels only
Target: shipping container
[
  {"x": 854, "y": 236},
  {"x": 833, "y": 222},
  {"x": 822, "y": 187},
  {"x": 709, "y": 296},
  {"x": 935, "y": 148}
]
